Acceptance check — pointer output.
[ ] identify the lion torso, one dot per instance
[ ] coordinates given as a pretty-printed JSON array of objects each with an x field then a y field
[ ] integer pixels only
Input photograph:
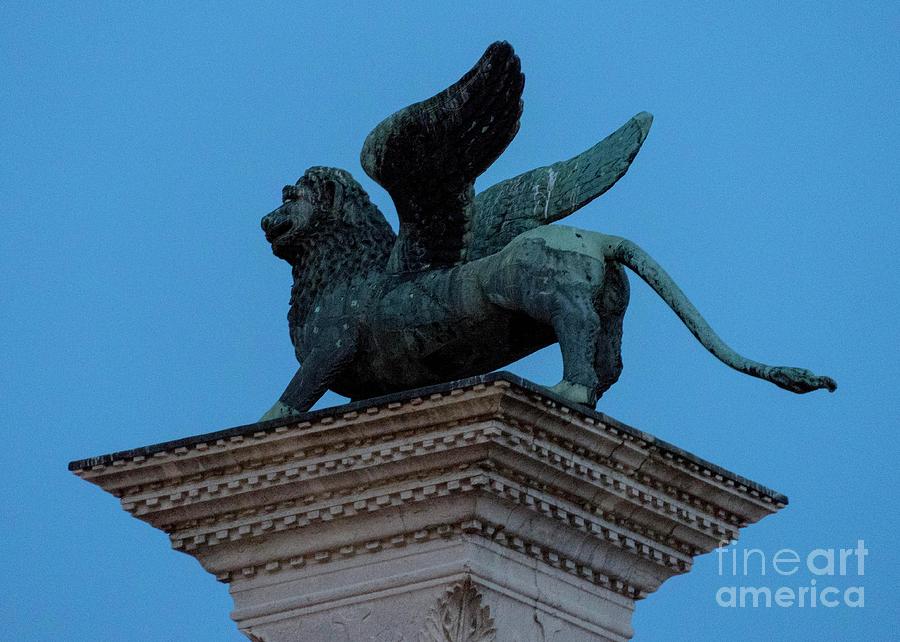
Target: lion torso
[
  {"x": 414, "y": 330},
  {"x": 422, "y": 328}
]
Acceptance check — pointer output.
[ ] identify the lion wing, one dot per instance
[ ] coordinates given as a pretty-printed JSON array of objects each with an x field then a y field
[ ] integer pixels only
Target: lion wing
[
  {"x": 547, "y": 194},
  {"x": 428, "y": 155}
]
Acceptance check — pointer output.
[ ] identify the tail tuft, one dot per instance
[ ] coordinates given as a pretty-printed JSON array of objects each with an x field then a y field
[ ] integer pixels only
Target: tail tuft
[{"x": 799, "y": 380}]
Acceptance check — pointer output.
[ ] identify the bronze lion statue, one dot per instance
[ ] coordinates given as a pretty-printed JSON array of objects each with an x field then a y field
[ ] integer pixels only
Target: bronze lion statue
[{"x": 471, "y": 282}]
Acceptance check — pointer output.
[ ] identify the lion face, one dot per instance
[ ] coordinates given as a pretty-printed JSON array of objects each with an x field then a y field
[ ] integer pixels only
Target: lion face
[{"x": 289, "y": 226}]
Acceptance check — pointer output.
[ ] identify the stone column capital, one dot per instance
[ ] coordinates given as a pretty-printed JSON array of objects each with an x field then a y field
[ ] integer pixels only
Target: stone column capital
[{"x": 369, "y": 520}]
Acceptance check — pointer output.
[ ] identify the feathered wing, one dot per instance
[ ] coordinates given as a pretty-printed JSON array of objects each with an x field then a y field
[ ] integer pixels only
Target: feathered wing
[
  {"x": 547, "y": 194},
  {"x": 428, "y": 155}
]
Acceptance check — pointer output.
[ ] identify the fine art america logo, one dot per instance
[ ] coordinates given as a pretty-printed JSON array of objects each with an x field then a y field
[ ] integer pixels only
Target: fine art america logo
[{"x": 822, "y": 577}]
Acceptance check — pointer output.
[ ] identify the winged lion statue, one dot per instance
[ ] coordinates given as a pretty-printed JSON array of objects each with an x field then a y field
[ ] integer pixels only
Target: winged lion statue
[{"x": 471, "y": 282}]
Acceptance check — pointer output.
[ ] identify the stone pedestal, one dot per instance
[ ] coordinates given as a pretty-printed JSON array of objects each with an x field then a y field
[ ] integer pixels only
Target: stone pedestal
[{"x": 485, "y": 509}]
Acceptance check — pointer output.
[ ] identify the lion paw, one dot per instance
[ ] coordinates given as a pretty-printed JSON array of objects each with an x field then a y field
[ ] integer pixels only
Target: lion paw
[
  {"x": 575, "y": 392},
  {"x": 279, "y": 411}
]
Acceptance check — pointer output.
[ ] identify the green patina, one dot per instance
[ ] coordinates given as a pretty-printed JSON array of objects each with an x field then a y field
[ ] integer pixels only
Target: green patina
[{"x": 471, "y": 282}]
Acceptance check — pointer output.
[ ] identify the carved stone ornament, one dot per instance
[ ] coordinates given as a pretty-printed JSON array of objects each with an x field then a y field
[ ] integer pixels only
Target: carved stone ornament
[{"x": 459, "y": 616}]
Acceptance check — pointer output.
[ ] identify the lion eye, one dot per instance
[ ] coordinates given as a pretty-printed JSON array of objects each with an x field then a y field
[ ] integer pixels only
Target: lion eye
[{"x": 289, "y": 193}]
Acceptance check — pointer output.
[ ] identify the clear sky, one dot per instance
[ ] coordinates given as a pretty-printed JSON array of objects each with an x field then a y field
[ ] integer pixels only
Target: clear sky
[{"x": 140, "y": 302}]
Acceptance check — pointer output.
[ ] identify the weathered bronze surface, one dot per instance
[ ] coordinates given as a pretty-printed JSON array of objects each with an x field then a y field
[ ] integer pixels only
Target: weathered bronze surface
[{"x": 471, "y": 282}]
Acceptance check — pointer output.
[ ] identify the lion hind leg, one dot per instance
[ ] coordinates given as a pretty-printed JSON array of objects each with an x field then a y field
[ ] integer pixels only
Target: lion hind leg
[
  {"x": 578, "y": 327},
  {"x": 610, "y": 302},
  {"x": 590, "y": 339},
  {"x": 557, "y": 287}
]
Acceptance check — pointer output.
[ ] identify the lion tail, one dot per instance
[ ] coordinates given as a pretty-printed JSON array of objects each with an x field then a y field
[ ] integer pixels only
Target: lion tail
[{"x": 630, "y": 255}]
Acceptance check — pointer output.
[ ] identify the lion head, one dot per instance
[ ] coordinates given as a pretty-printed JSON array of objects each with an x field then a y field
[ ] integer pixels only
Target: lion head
[
  {"x": 307, "y": 207},
  {"x": 325, "y": 208}
]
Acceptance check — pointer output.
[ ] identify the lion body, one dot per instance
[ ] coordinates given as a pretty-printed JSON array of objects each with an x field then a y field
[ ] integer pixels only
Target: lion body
[{"x": 423, "y": 328}]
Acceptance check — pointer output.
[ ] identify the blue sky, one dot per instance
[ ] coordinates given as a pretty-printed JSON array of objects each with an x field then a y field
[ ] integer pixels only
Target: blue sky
[{"x": 140, "y": 301}]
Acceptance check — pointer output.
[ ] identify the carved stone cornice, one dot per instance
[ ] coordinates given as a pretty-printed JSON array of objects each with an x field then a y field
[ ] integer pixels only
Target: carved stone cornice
[{"x": 492, "y": 463}]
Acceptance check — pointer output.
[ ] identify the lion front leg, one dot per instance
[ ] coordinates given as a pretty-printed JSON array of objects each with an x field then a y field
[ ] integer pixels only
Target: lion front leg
[
  {"x": 279, "y": 411},
  {"x": 302, "y": 392},
  {"x": 310, "y": 382}
]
